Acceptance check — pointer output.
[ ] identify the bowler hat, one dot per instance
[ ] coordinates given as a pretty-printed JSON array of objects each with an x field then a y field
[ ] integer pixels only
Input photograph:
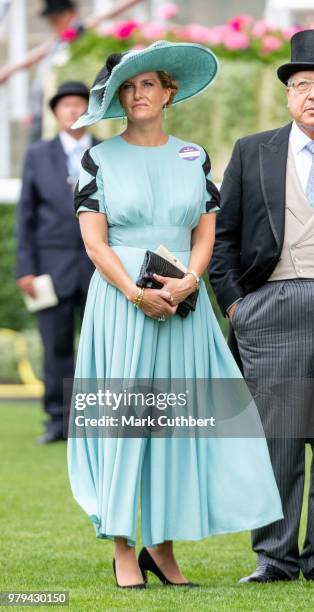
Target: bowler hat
[
  {"x": 57, "y": 6},
  {"x": 192, "y": 65},
  {"x": 302, "y": 55},
  {"x": 69, "y": 88}
]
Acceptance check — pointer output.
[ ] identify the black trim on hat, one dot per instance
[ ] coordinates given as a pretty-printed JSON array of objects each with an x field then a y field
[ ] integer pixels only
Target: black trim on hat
[
  {"x": 104, "y": 73},
  {"x": 112, "y": 60}
]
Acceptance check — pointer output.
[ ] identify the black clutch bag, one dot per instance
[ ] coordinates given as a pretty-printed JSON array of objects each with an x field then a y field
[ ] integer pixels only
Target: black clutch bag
[{"x": 155, "y": 264}]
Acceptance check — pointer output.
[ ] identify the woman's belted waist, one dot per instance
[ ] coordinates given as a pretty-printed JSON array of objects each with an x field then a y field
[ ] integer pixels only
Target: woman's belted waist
[{"x": 174, "y": 237}]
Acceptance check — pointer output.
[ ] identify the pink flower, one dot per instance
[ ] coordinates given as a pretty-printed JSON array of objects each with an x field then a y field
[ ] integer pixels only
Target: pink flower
[
  {"x": 240, "y": 22},
  {"x": 179, "y": 32},
  {"x": 260, "y": 28},
  {"x": 124, "y": 29},
  {"x": 69, "y": 35},
  {"x": 289, "y": 32},
  {"x": 176, "y": 29},
  {"x": 196, "y": 32},
  {"x": 168, "y": 10},
  {"x": 107, "y": 29},
  {"x": 236, "y": 40},
  {"x": 271, "y": 44},
  {"x": 217, "y": 34},
  {"x": 153, "y": 31}
]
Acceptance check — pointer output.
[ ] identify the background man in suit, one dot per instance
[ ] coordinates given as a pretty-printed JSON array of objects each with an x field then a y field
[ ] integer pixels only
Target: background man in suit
[
  {"x": 262, "y": 272},
  {"x": 49, "y": 242}
]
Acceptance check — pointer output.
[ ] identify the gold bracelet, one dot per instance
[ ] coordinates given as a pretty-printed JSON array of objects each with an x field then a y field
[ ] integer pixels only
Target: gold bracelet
[
  {"x": 138, "y": 300},
  {"x": 197, "y": 280}
]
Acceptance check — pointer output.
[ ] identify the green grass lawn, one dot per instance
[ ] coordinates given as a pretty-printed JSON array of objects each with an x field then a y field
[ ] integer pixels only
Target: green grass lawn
[{"x": 48, "y": 543}]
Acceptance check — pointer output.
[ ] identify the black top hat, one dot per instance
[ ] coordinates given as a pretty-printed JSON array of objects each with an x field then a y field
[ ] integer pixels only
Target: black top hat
[
  {"x": 57, "y": 6},
  {"x": 69, "y": 88},
  {"x": 302, "y": 55}
]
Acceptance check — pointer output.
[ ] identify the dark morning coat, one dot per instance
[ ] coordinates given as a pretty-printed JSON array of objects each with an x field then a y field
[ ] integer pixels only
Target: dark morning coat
[
  {"x": 48, "y": 233},
  {"x": 251, "y": 222}
]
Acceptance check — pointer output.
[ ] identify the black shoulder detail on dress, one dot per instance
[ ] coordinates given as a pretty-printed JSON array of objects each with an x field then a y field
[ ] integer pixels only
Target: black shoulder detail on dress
[
  {"x": 210, "y": 186},
  {"x": 81, "y": 196},
  {"x": 88, "y": 163}
]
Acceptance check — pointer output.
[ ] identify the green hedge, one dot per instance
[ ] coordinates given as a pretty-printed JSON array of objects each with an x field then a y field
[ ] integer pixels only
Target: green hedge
[{"x": 12, "y": 310}]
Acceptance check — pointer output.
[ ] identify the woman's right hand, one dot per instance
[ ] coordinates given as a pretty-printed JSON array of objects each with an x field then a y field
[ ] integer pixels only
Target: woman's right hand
[{"x": 154, "y": 304}]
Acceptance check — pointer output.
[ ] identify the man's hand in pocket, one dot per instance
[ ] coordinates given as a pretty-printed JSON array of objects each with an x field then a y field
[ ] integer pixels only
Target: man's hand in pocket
[{"x": 232, "y": 310}]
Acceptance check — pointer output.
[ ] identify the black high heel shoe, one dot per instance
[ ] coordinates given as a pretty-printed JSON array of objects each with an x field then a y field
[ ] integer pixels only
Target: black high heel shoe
[
  {"x": 140, "y": 585},
  {"x": 147, "y": 564}
]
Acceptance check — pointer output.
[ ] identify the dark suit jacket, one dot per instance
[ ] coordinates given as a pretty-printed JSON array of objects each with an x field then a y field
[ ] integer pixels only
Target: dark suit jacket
[
  {"x": 251, "y": 222},
  {"x": 48, "y": 233}
]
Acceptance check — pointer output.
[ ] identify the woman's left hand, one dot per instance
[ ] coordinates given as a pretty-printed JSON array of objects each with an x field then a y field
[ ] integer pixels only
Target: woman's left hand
[{"x": 179, "y": 288}]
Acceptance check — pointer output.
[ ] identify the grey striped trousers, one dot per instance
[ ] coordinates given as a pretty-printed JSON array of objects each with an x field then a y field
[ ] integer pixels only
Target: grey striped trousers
[{"x": 274, "y": 327}]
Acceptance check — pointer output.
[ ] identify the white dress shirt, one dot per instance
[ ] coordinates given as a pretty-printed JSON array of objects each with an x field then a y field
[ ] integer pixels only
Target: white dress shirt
[
  {"x": 74, "y": 150},
  {"x": 302, "y": 157}
]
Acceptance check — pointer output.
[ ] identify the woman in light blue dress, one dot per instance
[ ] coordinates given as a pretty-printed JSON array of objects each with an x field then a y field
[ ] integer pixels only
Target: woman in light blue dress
[{"x": 136, "y": 191}]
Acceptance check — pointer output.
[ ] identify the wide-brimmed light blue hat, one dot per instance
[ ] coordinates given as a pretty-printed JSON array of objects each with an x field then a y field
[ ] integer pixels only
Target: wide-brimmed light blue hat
[{"x": 193, "y": 66}]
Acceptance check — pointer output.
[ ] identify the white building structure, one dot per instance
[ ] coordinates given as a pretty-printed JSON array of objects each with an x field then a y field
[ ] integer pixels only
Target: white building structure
[
  {"x": 285, "y": 13},
  {"x": 14, "y": 98}
]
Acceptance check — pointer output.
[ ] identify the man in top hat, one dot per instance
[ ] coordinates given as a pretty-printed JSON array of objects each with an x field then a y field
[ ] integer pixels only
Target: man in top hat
[
  {"x": 262, "y": 272},
  {"x": 49, "y": 242}
]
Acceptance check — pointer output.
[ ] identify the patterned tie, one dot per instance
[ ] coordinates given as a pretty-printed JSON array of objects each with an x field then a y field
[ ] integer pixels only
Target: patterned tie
[{"x": 310, "y": 183}]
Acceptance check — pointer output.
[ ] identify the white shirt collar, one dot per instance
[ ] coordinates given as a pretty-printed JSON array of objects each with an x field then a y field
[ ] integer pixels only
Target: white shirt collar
[
  {"x": 69, "y": 143},
  {"x": 298, "y": 139}
]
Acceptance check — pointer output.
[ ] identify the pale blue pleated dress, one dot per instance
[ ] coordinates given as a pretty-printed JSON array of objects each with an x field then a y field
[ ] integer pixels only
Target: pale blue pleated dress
[{"x": 186, "y": 488}]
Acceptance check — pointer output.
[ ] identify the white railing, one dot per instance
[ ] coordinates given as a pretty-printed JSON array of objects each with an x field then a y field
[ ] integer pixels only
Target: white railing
[
  {"x": 10, "y": 190},
  {"x": 5, "y": 136},
  {"x": 13, "y": 94}
]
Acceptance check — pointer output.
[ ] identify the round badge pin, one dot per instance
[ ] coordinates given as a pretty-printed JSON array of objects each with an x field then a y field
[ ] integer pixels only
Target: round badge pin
[{"x": 189, "y": 153}]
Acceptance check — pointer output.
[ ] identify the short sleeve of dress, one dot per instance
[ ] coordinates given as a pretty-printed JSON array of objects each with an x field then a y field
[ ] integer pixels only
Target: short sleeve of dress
[
  {"x": 89, "y": 190},
  {"x": 211, "y": 200}
]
